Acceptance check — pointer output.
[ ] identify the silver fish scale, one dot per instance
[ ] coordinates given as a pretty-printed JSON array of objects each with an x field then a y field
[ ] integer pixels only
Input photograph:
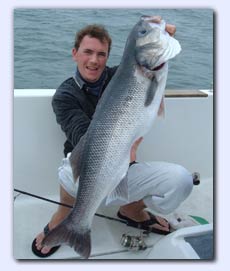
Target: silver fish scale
[
  {"x": 119, "y": 122},
  {"x": 121, "y": 117}
]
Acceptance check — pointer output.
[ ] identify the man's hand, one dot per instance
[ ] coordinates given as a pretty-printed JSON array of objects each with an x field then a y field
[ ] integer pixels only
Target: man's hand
[
  {"x": 134, "y": 149},
  {"x": 170, "y": 28}
]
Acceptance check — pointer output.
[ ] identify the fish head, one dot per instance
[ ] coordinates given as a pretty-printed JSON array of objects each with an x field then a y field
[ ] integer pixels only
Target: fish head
[{"x": 154, "y": 45}]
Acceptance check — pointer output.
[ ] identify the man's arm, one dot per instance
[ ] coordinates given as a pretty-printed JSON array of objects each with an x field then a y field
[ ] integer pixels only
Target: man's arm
[
  {"x": 134, "y": 149},
  {"x": 70, "y": 116}
]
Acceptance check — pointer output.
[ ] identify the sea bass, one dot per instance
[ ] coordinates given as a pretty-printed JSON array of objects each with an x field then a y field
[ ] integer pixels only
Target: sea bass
[{"x": 125, "y": 112}]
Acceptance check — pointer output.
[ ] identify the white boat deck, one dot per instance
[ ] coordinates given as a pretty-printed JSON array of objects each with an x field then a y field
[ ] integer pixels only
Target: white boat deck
[
  {"x": 184, "y": 136},
  {"x": 31, "y": 214}
]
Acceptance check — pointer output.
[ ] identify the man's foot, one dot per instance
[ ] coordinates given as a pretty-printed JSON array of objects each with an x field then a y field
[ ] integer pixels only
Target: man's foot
[
  {"x": 38, "y": 252},
  {"x": 139, "y": 218},
  {"x": 45, "y": 251},
  {"x": 58, "y": 217},
  {"x": 154, "y": 223}
]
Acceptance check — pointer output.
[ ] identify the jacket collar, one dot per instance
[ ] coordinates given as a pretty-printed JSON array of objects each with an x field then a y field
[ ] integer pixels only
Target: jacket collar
[{"x": 92, "y": 88}]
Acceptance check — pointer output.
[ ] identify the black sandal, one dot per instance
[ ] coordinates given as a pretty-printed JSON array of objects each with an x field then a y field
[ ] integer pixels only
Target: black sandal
[
  {"x": 38, "y": 252},
  {"x": 144, "y": 225}
]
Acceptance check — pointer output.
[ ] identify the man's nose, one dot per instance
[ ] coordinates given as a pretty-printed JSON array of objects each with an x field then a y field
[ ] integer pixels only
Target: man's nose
[{"x": 94, "y": 58}]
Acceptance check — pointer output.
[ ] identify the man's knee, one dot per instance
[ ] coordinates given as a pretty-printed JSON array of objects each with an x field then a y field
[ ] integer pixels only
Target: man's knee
[
  {"x": 172, "y": 191},
  {"x": 182, "y": 181}
]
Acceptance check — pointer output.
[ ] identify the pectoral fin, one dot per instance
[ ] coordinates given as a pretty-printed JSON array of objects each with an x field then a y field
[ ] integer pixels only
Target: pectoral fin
[{"x": 150, "y": 93}]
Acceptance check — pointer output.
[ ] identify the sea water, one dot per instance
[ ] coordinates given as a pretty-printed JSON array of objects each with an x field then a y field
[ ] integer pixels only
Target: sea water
[{"x": 44, "y": 38}]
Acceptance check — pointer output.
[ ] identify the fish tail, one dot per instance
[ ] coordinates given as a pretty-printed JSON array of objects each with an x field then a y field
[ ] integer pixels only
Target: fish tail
[{"x": 63, "y": 234}]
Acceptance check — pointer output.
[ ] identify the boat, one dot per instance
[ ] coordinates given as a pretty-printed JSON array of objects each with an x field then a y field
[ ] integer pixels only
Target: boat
[{"x": 184, "y": 136}]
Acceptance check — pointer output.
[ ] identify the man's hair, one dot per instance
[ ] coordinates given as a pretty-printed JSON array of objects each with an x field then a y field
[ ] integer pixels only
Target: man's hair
[{"x": 93, "y": 31}]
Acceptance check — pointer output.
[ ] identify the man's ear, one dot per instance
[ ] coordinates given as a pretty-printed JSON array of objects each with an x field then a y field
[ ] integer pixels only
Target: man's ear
[{"x": 74, "y": 54}]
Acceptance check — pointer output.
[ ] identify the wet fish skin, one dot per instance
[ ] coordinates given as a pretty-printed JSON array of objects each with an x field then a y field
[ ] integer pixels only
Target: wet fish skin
[{"x": 125, "y": 112}]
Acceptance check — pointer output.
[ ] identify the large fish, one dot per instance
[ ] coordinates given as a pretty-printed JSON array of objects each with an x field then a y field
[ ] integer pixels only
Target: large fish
[{"x": 125, "y": 112}]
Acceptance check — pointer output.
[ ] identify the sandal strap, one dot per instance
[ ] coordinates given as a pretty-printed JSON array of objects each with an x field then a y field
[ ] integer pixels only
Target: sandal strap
[{"x": 46, "y": 230}]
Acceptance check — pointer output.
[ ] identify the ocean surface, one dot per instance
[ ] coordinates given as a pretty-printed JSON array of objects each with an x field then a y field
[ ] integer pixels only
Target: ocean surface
[{"x": 43, "y": 40}]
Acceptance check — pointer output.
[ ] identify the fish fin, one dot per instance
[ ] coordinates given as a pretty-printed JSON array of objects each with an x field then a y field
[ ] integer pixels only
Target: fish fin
[
  {"x": 120, "y": 193},
  {"x": 150, "y": 93},
  {"x": 63, "y": 234},
  {"x": 76, "y": 157}
]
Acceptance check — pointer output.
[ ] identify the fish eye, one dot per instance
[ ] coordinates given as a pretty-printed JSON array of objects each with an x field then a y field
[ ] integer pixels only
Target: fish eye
[{"x": 142, "y": 32}]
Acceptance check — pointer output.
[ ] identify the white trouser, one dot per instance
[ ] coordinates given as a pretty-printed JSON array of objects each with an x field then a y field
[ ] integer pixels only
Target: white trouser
[{"x": 162, "y": 186}]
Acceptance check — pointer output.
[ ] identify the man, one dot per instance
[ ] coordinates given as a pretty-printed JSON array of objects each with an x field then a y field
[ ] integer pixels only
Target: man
[{"x": 159, "y": 186}]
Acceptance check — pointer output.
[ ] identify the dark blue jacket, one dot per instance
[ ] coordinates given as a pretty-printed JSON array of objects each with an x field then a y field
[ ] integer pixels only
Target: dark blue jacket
[{"x": 74, "y": 108}]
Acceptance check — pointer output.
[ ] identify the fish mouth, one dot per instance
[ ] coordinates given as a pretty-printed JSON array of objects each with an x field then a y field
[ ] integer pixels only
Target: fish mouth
[{"x": 151, "y": 19}]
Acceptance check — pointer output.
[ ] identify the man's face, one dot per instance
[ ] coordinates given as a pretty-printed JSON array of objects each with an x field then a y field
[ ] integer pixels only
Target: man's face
[{"x": 91, "y": 58}]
